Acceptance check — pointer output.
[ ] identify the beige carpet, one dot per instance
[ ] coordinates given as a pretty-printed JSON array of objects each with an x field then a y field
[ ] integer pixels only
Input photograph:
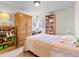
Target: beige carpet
[{"x": 27, "y": 54}]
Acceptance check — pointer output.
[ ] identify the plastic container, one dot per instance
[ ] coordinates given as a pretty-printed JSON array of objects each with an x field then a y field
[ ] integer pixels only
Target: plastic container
[
  {"x": 1, "y": 40},
  {"x": 5, "y": 46},
  {"x": 1, "y": 47},
  {"x": 11, "y": 38}
]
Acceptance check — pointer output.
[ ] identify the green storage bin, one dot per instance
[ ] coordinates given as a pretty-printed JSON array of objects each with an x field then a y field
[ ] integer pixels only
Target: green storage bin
[
  {"x": 5, "y": 46},
  {"x": 1, "y": 40},
  {"x": 1, "y": 47},
  {"x": 11, "y": 38}
]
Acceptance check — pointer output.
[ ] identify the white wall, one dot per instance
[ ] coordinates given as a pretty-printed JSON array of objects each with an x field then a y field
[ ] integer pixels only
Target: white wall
[
  {"x": 9, "y": 22},
  {"x": 77, "y": 19},
  {"x": 65, "y": 21}
]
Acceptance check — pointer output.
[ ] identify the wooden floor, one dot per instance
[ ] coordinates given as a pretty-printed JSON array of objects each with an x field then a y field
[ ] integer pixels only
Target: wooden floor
[{"x": 27, "y": 54}]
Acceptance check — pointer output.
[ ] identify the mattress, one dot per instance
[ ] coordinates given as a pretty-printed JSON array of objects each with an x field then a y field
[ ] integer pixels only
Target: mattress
[{"x": 49, "y": 45}]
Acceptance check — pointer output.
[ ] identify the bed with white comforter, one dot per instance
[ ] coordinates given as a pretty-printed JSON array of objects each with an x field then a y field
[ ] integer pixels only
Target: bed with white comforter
[{"x": 45, "y": 45}]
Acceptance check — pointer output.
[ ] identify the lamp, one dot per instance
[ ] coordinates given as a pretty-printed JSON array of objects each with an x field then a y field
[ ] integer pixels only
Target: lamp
[
  {"x": 36, "y": 3},
  {"x": 4, "y": 15}
]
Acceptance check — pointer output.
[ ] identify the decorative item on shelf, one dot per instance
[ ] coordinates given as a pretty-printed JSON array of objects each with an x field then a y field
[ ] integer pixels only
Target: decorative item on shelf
[
  {"x": 3, "y": 35},
  {"x": 4, "y": 39},
  {"x": 12, "y": 33},
  {"x": 7, "y": 34},
  {"x": 47, "y": 18},
  {"x": 51, "y": 20}
]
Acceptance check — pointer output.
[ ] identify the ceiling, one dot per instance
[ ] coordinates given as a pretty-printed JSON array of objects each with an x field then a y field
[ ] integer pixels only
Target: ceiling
[{"x": 29, "y": 8}]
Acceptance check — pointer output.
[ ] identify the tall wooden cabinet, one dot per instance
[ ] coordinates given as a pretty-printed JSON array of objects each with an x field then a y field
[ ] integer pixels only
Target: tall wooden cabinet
[
  {"x": 50, "y": 24},
  {"x": 23, "y": 27}
]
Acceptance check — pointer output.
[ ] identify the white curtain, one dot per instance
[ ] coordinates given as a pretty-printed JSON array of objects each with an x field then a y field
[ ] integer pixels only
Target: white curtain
[{"x": 38, "y": 23}]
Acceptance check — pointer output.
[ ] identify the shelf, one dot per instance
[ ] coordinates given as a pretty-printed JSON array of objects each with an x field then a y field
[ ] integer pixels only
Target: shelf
[
  {"x": 11, "y": 44},
  {"x": 6, "y": 26},
  {"x": 6, "y": 42},
  {"x": 50, "y": 24},
  {"x": 7, "y": 49}
]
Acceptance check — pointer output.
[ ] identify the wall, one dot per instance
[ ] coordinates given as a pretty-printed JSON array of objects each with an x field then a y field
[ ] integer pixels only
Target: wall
[
  {"x": 77, "y": 19},
  {"x": 9, "y": 21},
  {"x": 65, "y": 21}
]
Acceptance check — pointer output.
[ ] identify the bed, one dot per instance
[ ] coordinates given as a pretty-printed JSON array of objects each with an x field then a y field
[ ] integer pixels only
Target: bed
[{"x": 45, "y": 45}]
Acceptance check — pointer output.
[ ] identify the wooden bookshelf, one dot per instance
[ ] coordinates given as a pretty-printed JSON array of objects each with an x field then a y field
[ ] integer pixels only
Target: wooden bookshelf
[
  {"x": 50, "y": 24},
  {"x": 10, "y": 43},
  {"x": 7, "y": 27},
  {"x": 7, "y": 42}
]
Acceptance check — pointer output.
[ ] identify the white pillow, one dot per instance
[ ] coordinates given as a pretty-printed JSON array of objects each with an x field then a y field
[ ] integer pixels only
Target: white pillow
[{"x": 69, "y": 39}]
